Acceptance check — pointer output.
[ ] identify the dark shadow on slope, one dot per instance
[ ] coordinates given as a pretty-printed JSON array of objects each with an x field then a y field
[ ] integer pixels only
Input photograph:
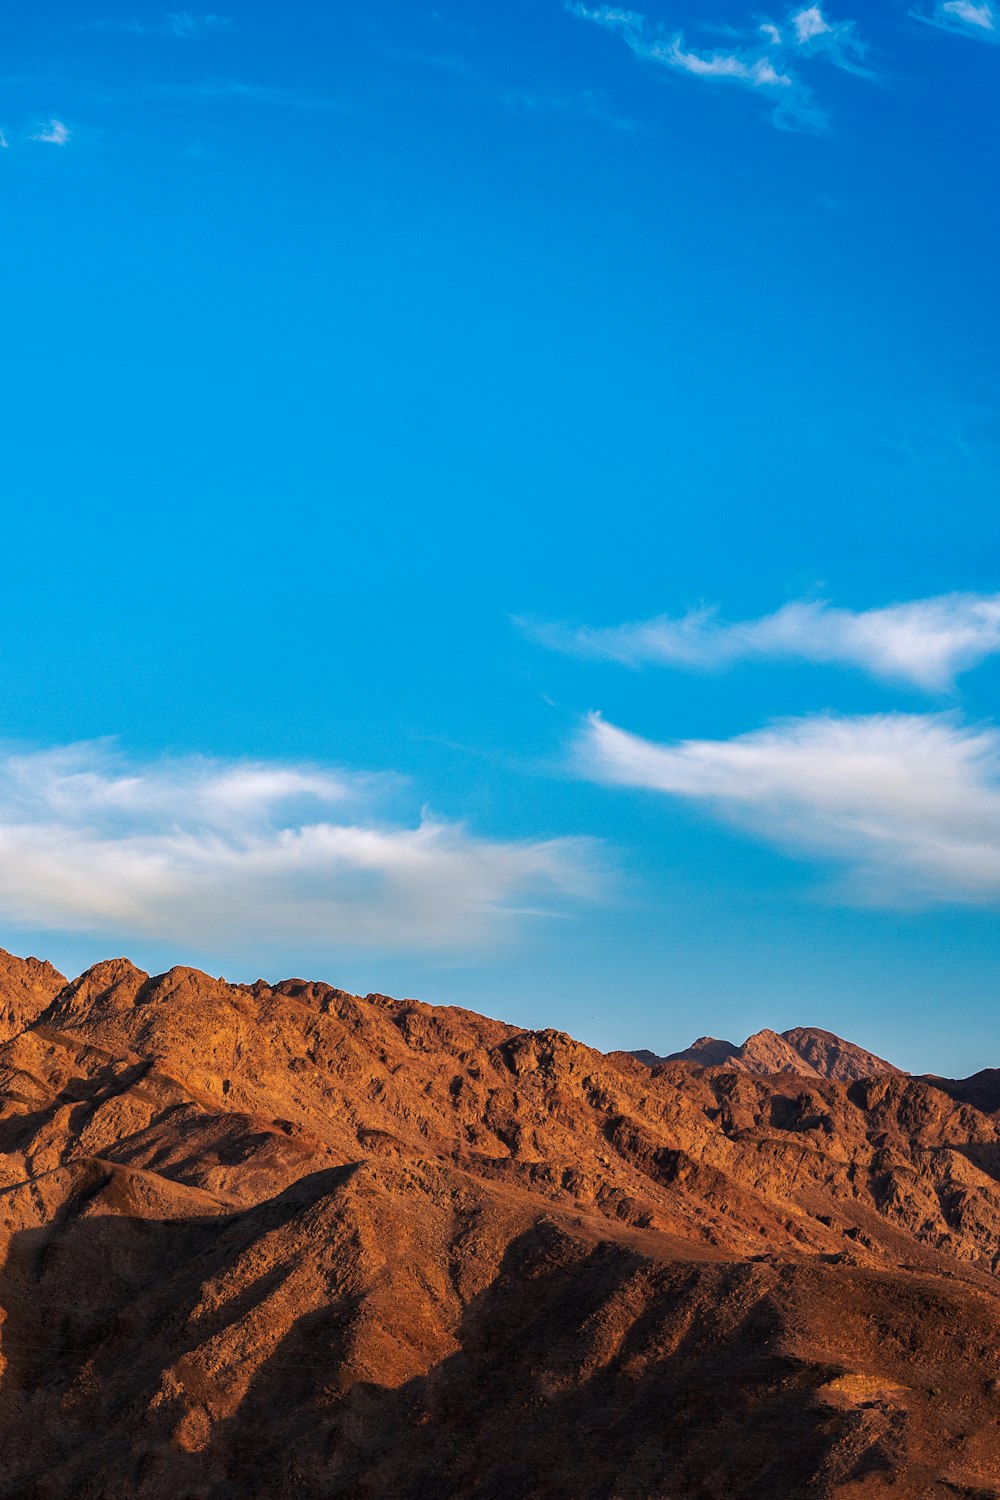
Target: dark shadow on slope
[
  {"x": 585, "y": 1372},
  {"x": 94, "y": 1310},
  {"x": 981, "y": 1090}
]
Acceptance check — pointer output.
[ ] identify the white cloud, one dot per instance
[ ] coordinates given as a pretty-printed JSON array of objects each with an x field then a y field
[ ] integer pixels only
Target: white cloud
[
  {"x": 810, "y": 23},
  {"x": 4, "y": 143},
  {"x": 750, "y": 66},
  {"x": 981, "y": 16},
  {"x": 965, "y": 17},
  {"x": 924, "y": 642},
  {"x": 765, "y": 61},
  {"x": 54, "y": 133},
  {"x": 611, "y": 16},
  {"x": 758, "y": 72},
  {"x": 198, "y": 850},
  {"x": 838, "y": 42},
  {"x": 909, "y": 804}
]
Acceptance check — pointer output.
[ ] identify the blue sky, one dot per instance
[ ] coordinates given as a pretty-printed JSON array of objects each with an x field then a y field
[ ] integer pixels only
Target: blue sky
[{"x": 500, "y": 505}]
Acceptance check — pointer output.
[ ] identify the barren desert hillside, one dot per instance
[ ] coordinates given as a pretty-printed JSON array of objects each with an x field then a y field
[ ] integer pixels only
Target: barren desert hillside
[{"x": 274, "y": 1241}]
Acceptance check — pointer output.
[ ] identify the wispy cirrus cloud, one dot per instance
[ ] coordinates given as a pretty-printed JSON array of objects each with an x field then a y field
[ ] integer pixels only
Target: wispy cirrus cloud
[
  {"x": 182, "y": 24},
  {"x": 52, "y": 133},
  {"x": 202, "y": 850},
  {"x": 966, "y": 17},
  {"x": 924, "y": 642},
  {"x": 767, "y": 60},
  {"x": 907, "y": 804}
]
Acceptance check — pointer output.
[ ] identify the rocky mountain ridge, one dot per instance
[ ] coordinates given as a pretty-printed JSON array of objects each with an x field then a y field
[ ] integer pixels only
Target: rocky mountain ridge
[
  {"x": 806, "y": 1050},
  {"x": 280, "y": 1240}
]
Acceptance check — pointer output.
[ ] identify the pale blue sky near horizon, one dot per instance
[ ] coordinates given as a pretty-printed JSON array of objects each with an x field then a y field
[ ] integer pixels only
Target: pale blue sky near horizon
[{"x": 368, "y": 369}]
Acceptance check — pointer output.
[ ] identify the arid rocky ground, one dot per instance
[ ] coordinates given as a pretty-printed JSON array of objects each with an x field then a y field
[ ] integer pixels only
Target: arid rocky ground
[{"x": 283, "y": 1241}]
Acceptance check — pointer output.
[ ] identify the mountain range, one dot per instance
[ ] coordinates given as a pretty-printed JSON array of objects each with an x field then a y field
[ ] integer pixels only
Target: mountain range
[{"x": 278, "y": 1240}]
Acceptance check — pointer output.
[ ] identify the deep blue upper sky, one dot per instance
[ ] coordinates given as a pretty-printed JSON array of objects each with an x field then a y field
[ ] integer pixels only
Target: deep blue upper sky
[{"x": 350, "y": 350}]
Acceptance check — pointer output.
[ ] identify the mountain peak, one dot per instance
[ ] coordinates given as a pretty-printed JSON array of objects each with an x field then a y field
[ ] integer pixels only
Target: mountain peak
[
  {"x": 709, "y": 1051},
  {"x": 27, "y": 987},
  {"x": 831, "y": 1057},
  {"x": 112, "y": 984},
  {"x": 806, "y": 1050}
]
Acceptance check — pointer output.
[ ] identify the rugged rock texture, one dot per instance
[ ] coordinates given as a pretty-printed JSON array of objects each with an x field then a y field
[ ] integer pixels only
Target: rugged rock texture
[
  {"x": 831, "y": 1057},
  {"x": 27, "y": 986},
  {"x": 803, "y": 1049},
  {"x": 274, "y": 1241}
]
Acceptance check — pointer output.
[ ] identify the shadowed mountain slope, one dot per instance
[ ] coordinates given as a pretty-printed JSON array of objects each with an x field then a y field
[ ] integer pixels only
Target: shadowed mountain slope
[
  {"x": 279, "y": 1240},
  {"x": 982, "y": 1089}
]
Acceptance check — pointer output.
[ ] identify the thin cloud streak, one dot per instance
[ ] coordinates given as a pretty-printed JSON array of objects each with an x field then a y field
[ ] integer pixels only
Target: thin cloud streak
[
  {"x": 204, "y": 851},
  {"x": 925, "y": 642},
  {"x": 767, "y": 61},
  {"x": 907, "y": 804}
]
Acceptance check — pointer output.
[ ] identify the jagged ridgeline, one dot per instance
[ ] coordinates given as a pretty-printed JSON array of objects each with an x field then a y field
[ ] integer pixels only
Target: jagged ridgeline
[{"x": 275, "y": 1241}]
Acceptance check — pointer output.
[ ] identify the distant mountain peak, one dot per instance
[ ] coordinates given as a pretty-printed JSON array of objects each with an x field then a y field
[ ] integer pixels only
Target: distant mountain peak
[
  {"x": 806, "y": 1050},
  {"x": 709, "y": 1051}
]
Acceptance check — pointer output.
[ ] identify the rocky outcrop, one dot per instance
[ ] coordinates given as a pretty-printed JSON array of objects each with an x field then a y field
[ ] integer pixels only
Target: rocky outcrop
[
  {"x": 270, "y": 1241},
  {"x": 27, "y": 986}
]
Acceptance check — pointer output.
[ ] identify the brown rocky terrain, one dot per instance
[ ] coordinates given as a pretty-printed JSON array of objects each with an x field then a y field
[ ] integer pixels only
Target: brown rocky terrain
[{"x": 274, "y": 1241}]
